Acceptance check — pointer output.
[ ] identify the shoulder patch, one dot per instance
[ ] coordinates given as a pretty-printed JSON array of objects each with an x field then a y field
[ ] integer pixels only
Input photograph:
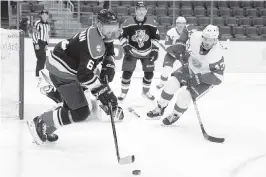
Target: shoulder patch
[
  {"x": 128, "y": 21},
  {"x": 151, "y": 21},
  {"x": 36, "y": 23},
  {"x": 95, "y": 43}
]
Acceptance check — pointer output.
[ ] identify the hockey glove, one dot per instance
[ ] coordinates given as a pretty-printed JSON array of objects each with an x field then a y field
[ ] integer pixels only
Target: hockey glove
[
  {"x": 104, "y": 94},
  {"x": 108, "y": 70},
  {"x": 154, "y": 55},
  {"x": 194, "y": 80},
  {"x": 186, "y": 77},
  {"x": 118, "y": 113},
  {"x": 128, "y": 50}
]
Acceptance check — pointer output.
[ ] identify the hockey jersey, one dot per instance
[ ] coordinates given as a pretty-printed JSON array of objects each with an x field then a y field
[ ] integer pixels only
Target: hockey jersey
[
  {"x": 139, "y": 35},
  {"x": 84, "y": 51},
  {"x": 171, "y": 36},
  {"x": 208, "y": 63},
  {"x": 180, "y": 44}
]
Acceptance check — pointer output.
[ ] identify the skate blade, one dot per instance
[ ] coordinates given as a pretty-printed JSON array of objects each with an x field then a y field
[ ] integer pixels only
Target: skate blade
[
  {"x": 148, "y": 98},
  {"x": 159, "y": 87},
  {"x": 34, "y": 133},
  {"x": 153, "y": 118}
]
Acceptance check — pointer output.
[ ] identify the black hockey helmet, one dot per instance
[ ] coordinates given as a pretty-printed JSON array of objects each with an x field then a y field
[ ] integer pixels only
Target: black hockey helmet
[
  {"x": 44, "y": 12},
  {"x": 107, "y": 16},
  {"x": 140, "y": 4}
]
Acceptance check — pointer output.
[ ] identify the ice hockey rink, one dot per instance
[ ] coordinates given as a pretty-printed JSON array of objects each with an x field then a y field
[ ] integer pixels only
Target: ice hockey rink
[{"x": 235, "y": 110}]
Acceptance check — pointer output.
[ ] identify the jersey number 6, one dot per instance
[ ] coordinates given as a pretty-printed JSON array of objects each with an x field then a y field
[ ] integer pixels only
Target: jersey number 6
[{"x": 90, "y": 64}]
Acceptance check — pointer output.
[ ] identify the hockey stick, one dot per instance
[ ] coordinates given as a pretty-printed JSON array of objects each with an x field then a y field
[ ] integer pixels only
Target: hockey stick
[
  {"x": 131, "y": 110},
  {"x": 125, "y": 160},
  {"x": 205, "y": 134}
]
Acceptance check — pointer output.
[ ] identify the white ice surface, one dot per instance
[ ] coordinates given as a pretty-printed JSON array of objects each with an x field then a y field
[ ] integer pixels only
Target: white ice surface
[{"x": 234, "y": 110}]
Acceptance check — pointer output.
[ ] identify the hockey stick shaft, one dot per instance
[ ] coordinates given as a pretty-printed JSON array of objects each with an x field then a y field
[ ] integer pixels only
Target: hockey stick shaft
[
  {"x": 114, "y": 132},
  {"x": 206, "y": 136},
  {"x": 124, "y": 160}
]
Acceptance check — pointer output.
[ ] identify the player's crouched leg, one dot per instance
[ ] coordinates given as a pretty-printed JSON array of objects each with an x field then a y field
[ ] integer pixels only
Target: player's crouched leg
[
  {"x": 170, "y": 88},
  {"x": 184, "y": 99},
  {"x": 61, "y": 116}
]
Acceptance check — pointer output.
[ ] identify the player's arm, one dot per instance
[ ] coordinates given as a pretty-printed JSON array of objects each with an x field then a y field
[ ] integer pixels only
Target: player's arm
[
  {"x": 123, "y": 38},
  {"x": 155, "y": 38},
  {"x": 108, "y": 64},
  {"x": 180, "y": 45},
  {"x": 215, "y": 77},
  {"x": 36, "y": 32},
  {"x": 85, "y": 71}
]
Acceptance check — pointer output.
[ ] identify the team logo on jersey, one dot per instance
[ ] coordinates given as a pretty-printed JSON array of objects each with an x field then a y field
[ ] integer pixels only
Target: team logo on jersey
[
  {"x": 140, "y": 37},
  {"x": 98, "y": 48}
]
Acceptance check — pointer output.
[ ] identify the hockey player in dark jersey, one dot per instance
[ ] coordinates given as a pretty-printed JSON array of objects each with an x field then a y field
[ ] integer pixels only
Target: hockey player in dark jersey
[
  {"x": 71, "y": 69},
  {"x": 203, "y": 68},
  {"x": 136, "y": 40}
]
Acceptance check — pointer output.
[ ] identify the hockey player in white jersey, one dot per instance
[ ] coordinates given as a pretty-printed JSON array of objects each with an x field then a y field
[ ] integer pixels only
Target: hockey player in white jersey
[
  {"x": 171, "y": 38},
  {"x": 203, "y": 67}
]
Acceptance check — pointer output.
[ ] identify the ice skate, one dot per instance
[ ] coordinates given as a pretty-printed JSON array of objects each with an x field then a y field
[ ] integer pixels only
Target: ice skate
[
  {"x": 37, "y": 128},
  {"x": 52, "y": 137},
  {"x": 169, "y": 120},
  {"x": 156, "y": 113},
  {"x": 148, "y": 95},
  {"x": 122, "y": 96},
  {"x": 159, "y": 86}
]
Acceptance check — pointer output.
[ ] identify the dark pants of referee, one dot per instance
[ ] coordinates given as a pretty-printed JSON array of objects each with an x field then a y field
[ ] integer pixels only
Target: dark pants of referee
[{"x": 41, "y": 56}]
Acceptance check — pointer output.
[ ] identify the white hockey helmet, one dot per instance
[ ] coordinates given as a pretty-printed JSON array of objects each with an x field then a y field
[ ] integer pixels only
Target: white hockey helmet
[
  {"x": 181, "y": 20},
  {"x": 210, "y": 36}
]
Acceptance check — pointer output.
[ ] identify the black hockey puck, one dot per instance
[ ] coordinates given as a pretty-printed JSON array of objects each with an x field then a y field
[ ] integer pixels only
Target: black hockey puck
[{"x": 136, "y": 172}]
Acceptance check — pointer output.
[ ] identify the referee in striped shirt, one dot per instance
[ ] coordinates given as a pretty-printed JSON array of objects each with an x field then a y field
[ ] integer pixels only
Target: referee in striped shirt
[{"x": 40, "y": 38}]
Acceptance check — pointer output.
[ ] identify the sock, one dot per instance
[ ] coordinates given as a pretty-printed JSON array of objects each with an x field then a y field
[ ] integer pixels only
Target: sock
[
  {"x": 146, "y": 83},
  {"x": 125, "y": 85},
  {"x": 182, "y": 102},
  {"x": 179, "y": 111},
  {"x": 165, "y": 73},
  {"x": 56, "y": 118},
  {"x": 126, "y": 79}
]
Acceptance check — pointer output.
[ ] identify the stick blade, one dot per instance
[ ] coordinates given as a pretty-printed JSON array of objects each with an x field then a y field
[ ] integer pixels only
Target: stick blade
[
  {"x": 127, "y": 160},
  {"x": 214, "y": 139},
  {"x": 211, "y": 138}
]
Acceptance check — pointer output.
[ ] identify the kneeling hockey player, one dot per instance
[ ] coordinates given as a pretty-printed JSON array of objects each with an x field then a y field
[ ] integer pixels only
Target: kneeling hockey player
[{"x": 71, "y": 69}]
